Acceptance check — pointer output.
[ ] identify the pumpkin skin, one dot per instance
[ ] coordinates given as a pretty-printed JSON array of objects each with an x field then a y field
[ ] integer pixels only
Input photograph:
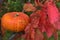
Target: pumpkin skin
[{"x": 14, "y": 21}]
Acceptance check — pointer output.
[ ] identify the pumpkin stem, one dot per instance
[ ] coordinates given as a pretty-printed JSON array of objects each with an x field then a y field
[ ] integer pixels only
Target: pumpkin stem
[{"x": 17, "y": 14}]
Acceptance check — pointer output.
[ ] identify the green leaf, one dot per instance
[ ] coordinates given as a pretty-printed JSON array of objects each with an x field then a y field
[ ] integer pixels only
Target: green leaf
[{"x": 58, "y": 4}]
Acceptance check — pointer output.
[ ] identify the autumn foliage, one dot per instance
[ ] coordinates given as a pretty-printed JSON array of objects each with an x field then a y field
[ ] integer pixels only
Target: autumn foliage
[{"x": 44, "y": 20}]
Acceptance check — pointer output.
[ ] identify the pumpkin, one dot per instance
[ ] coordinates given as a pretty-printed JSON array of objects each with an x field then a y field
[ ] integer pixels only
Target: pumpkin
[{"x": 14, "y": 21}]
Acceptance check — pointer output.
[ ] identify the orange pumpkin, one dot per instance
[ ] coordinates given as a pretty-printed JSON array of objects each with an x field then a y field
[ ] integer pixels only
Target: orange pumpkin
[{"x": 14, "y": 21}]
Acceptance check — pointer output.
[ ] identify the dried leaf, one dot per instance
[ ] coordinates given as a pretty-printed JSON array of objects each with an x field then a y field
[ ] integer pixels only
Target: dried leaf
[{"x": 29, "y": 7}]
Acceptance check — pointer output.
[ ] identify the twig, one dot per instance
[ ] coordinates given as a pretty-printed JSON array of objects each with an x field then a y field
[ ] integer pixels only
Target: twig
[{"x": 12, "y": 36}]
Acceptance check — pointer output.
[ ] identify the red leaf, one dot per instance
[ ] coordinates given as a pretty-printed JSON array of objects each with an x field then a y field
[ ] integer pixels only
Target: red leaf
[
  {"x": 32, "y": 34},
  {"x": 56, "y": 36},
  {"x": 49, "y": 29},
  {"x": 52, "y": 11},
  {"x": 39, "y": 35},
  {"x": 36, "y": 2},
  {"x": 30, "y": 29}
]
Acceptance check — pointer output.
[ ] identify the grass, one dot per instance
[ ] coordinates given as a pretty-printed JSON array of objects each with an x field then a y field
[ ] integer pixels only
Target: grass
[{"x": 8, "y": 34}]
